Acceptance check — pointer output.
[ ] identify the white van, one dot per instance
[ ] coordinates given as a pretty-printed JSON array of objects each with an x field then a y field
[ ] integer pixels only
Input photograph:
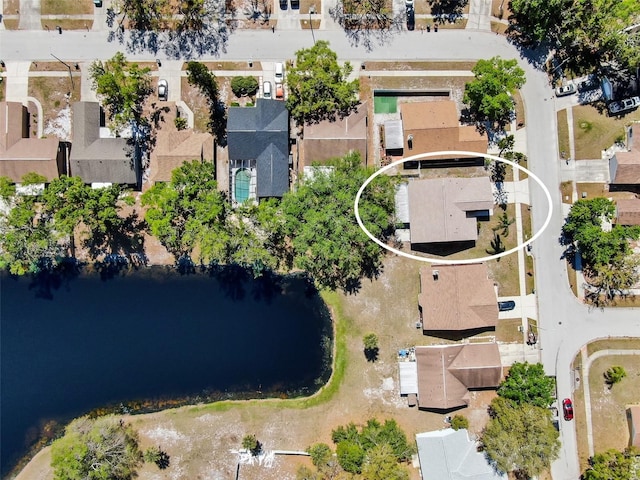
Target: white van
[
  {"x": 279, "y": 72},
  {"x": 266, "y": 90}
]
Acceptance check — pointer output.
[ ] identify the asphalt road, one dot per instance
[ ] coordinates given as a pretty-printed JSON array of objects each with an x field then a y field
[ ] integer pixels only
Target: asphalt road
[{"x": 565, "y": 323}]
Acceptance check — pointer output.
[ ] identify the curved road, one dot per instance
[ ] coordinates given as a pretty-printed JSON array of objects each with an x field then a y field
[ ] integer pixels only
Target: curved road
[{"x": 565, "y": 323}]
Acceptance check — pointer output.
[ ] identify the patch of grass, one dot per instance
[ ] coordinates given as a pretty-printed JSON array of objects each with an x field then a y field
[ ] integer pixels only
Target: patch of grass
[
  {"x": 222, "y": 65},
  {"x": 417, "y": 82},
  {"x": 305, "y": 5},
  {"x": 626, "y": 343},
  {"x": 571, "y": 277},
  {"x": 305, "y": 25},
  {"x": 52, "y": 93},
  {"x": 459, "y": 23},
  {"x": 11, "y": 7},
  {"x": 507, "y": 330},
  {"x": 608, "y": 415},
  {"x": 498, "y": 27},
  {"x": 595, "y": 131},
  {"x": 67, "y": 24},
  {"x": 505, "y": 274},
  {"x": 11, "y": 23},
  {"x": 50, "y": 67},
  {"x": 580, "y": 421},
  {"x": 566, "y": 189},
  {"x": 519, "y": 107},
  {"x": 592, "y": 190},
  {"x": 563, "y": 132},
  {"x": 430, "y": 66},
  {"x": 66, "y": 7}
]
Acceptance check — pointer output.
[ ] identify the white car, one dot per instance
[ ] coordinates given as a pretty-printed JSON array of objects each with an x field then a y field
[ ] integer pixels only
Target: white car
[
  {"x": 624, "y": 105},
  {"x": 163, "y": 90},
  {"x": 568, "y": 89}
]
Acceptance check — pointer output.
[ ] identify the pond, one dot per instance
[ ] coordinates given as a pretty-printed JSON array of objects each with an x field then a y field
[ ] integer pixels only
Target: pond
[{"x": 70, "y": 345}]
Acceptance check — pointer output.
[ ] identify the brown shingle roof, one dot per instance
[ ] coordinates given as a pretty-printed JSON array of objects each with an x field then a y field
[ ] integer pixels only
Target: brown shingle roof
[
  {"x": 628, "y": 211},
  {"x": 434, "y": 127},
  {"x": 446, "y": 373},
  {"x": 173, "y": 148},
  {"x": 438, "y": 208},
  {"x": 331, "y": 139},
  {"x": 628, "y": 168},
  {"x": 19, "y": 154},
  {"x": 461, "y": 298}
]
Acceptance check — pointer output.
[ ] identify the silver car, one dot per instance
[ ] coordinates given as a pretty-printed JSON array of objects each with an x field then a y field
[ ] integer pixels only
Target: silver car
[{"x": 568, "y": 89}]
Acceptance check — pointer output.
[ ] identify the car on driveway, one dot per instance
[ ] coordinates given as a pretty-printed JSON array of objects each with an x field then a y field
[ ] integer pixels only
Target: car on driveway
[
  {"x": 279, "y": 91},
  {"x": 567, "y": 409},
  {"x": 411, "y": 18},
  {"x": 506, "y": 305},
  {"x": 564, "y": 90},
  {"x": 624, "y": 105},
  {"x": 163, "y": 90}
]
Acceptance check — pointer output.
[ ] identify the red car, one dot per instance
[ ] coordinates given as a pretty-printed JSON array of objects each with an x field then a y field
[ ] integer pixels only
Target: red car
[{"x": 567, "y": 409}]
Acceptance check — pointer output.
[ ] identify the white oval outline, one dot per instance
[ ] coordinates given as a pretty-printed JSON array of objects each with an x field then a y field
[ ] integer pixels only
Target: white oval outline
[{"x": 465, "y": 154}]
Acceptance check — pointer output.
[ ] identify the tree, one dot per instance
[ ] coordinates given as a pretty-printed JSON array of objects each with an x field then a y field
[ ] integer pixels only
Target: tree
[
  {"x": 527, "y": 383},
  {"x": 520, "y": 438},
  {"x": 318, "y": 86},
  {"x": 7, "y": 188},
  {"x": 320, "y": 454},
  {"x": 616, "y": 278},
  {"x": 614, "y": 375},
  {"x": 96, "y": 449},
  {"x": 459, "y": 421},
  {"x": 189, "y": 212},
  {"x": 158, "y": 456},
  {"x": 243, "y": 86},
  {"x": 381, "y": 464},
  {"x": 447, "y": 10},
  {"x": 370, "y": 341},
  {"x": 489, "y": 94},
  {"x": 612, "y": 465},
  {"x": 198, "y": 75},
  {"x": 534, "y": 21},
  {"x": 123, "y": 88},
  {"x": 251, "y": 443},
  {"x": 505, "y": 223},
  {"x": 350, "y": 456},
  {"x": 321, "y": 228}
]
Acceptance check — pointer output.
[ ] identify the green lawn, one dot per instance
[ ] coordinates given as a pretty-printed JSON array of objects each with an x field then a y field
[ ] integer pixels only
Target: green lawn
[
  {"x": 66, "y": 7},
  {"x": 594, "y": 131},
  {"x": 563, "y": 133}
]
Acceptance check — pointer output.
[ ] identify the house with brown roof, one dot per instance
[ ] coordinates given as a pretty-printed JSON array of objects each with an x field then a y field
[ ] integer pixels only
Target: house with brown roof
[
  {"x": 624, "y": 167},
  {"x": 21, "y": 154},
  {"x": 434, "y": 127},
  {"x": 628, "y": 211},
  {"x": 447, "y": 373},
  {"x": 174, "y": 148},
  {"x": 96, "y": 156},
  {"x": 335, "y": 138},
  {"x": 443, "y": 212},
  {"x": 633, "y": 417},
  {"x": 457, "y": 301}
]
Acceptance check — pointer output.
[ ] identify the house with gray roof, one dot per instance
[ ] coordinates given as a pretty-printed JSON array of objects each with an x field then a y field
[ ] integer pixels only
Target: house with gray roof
[
  {"x": 451, "y": 455},
  {"x": 96, "y": 156},
  {"x": 258, "y": 143}
]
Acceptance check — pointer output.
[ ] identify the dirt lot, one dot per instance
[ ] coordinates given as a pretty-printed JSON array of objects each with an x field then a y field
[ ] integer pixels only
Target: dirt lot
[
  {"x": 200, "y": 439},
  {"x": 56, "y": 95}
]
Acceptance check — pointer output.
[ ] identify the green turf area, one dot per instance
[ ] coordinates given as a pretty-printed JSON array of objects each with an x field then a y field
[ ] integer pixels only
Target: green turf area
[{"x": 385, "y": 104}]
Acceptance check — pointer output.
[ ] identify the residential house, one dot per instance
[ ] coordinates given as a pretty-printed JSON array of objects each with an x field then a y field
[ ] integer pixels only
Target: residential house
[
  {"x": 335, "y": 138},
  {"x": 444, "y": 374},
  {"x": 258, "y": 144},
  {"x": 434, "y": 127},
  {"x": 451, "y": 455},
  {"x": 628, "y": 211},
  {"x": 624, "y": 167},
  {"x": 443, "y": 212},
  {"x": 633, "y": 417},
  {"x": 97, "y": 156},
  {"x": 20, "y": 154},
  {"x": 174, "y": 148},
  {"x": 457, "y": 301}
]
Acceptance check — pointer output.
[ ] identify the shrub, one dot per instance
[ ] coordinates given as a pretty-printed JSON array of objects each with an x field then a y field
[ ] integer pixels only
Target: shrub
[
  {"x": 614, "y": 375},
  {"x": 243, "y": 86},
  {"x": 320, "y": 454},
  {"x": 180, "y": 123},
  {"x": 371, "y": 349},
  {"x": 251, "y": 443},
  {"x": 459, "y": 421}
]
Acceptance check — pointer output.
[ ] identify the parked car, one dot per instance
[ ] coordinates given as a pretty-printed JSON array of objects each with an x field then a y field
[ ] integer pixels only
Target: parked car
[
  {"x": 266, "y": 90},
  {"x": 411, "y": 17},
  {"x": 279, "y": 91},
  {"x": 567, "y": 409},
  {"x": 279, "y": 73},
  {"x": 408, "y": 3},
  {"x": 564, "y": 90},
  {"x": 163, "y": 90},
  {"x": 624, "y": 105},
  {"x": 506, "y": 305},
  {"x": 284, "y": 4}
]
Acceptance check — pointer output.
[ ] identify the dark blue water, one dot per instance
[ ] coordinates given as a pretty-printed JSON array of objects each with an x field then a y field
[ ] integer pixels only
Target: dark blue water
[{"x": 71, "y": 345}]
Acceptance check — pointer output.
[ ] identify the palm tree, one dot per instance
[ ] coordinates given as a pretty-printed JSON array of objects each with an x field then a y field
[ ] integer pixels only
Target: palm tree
[{"x": 504, "y": 224}]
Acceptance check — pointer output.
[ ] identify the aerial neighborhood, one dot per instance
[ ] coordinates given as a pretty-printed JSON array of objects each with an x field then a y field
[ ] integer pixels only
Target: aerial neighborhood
[{"x": 320, "y": 239}]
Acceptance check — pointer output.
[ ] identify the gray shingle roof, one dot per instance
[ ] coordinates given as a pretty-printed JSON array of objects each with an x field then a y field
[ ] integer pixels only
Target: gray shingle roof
[
  {"x": 262, "y": 133},
  {"x": 95, "y": 159}
]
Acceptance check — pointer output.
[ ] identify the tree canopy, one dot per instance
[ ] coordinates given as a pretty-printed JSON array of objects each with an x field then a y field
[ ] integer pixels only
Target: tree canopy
[
  {"x": 612, "y": 465},
  {"x": 527, "y": 383},
  {"x": 198, "y": 75},
  {"x": 520, "y": 438},
  {"x": 489, "y": 94},
  {"x": 123, "y": 88},
  {"x": 318, "y": 86},
  {"x": 96, "y": 449}
]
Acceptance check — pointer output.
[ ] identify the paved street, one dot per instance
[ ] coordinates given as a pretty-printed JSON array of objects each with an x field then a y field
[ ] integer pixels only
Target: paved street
[{"x": 565, "y": 324}]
